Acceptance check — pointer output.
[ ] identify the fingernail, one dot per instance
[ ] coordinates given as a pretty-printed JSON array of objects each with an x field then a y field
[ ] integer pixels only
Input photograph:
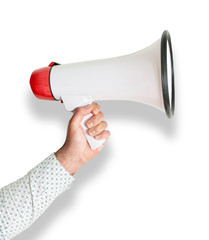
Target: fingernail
[
  {"x": 90, "y": 124},
  {"x": 91, "y": 132}
]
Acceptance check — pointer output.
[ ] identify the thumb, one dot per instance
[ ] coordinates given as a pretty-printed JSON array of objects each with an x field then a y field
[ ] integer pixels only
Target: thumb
[{"x": 77, "y": 117}]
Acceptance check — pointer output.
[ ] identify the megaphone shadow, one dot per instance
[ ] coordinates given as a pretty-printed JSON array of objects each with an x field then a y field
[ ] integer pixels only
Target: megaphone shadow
[
  {"x": 112, "y": 110},
  {"x": 138, "y": 112},
  {"x": 117, "y": 109}
]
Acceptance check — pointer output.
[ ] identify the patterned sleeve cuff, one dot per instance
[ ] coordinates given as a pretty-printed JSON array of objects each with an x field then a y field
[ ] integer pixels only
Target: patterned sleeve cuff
[{"x": 51, "y": 177}]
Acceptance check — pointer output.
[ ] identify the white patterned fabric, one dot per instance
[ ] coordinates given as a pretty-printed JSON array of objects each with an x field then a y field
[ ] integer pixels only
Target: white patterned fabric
[{"x": 23, "y": 201}]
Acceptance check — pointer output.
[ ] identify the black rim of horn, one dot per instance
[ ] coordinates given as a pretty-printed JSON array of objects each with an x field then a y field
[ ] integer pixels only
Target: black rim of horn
[{"x": 169, "y": 101}]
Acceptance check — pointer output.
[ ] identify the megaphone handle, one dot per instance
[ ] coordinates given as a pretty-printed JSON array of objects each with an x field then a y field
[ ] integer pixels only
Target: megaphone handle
[
  {"x": 94, "y": 143},
  {"x": 71, "y": 103}
]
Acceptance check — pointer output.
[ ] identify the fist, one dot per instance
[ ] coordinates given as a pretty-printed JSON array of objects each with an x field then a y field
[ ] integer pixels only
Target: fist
[{"x": 76, "y": 151}]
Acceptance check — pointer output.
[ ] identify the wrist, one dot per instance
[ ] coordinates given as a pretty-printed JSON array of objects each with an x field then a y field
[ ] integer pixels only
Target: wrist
[{"x": 70, "y": 163}]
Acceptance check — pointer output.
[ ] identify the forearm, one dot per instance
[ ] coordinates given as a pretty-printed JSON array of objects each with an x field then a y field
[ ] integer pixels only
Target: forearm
[{"x": 23, "y": 201}]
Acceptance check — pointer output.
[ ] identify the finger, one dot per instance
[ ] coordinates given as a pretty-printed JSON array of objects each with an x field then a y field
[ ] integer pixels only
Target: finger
[
  {"x": 77, "y": 117},
  {"x": 103, "y": 135},
  {"x": 94, "y": 120},
  {"x": 97, "y": 129},
  {"x": 96, "y": 108}
]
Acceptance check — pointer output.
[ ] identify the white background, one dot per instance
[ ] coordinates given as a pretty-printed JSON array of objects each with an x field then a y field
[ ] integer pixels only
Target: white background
[{"x": 151, "y": 180}]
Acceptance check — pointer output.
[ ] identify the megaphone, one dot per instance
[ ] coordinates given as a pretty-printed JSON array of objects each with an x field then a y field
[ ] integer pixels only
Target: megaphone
[{"x": 146, "y": 76}]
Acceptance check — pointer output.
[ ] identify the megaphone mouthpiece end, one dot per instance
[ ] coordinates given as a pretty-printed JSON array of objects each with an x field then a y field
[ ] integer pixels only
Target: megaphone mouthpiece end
[{"x": 167, "y": 74}]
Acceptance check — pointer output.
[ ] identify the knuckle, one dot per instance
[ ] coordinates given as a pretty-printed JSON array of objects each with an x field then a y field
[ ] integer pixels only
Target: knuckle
[
  {"x": 105, "y": 124},
  {"x": 97, "y": 105},
  {"x": 105, "y": 134},
  {"x": 101, "y": 114},
  {"x": 96, "y": 119},
  {"x": 100, "y": 127},
  {"x": 92, "y": 119}
]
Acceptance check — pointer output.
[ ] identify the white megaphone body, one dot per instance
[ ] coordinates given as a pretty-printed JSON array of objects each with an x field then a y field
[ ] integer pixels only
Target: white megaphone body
[{"x": 146, "y": 76}]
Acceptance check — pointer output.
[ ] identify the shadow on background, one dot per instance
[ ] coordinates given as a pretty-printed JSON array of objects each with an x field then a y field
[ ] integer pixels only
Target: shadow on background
[{"x": 113, "y": 110}]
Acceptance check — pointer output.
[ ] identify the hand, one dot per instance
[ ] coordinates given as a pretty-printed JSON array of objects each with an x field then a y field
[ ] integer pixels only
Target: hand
[{"x": 76, "y": 151}]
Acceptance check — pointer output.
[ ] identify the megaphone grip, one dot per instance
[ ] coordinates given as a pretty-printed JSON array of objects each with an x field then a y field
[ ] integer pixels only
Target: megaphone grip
[
  {"x": 94, "y": 143},
  {"x": 71, "y": 103}
]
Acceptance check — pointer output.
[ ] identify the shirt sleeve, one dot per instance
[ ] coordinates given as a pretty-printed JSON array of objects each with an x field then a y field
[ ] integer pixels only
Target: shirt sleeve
[{"x": 22, "y": 202}]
